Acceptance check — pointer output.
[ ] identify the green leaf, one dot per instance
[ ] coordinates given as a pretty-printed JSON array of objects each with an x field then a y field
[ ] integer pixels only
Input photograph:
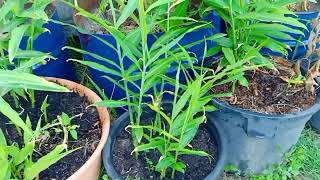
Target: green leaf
[
  {"x": 158, "y": 110},
  {"x": 13, "y": 116},
  {"x": 192, "y": 152},
  {"x": 243, "y": 81},
  {"x": 228, "y": 54},
  {"x": 130, "y": 7},
  {"x": 188, "y": 136},
  {"x": 12, "y": 79},
  {"x": 13, "y": 150},
  {"x": 179, "y": 166},
  {"x": 217, "y": 3},
  {"x": 26, "y": 137},
  {"x": 230, "y": 167},
  {"x": 4, "y": 168},
  {"x": 210, "y": 108},
  {"x": 35, "y": 14},
  {"x": 66, "y": 120},
  {"x": 46, "y": 161},
  {"x": 157, "y": 4},
  {"x": 57, "y": 130},
  {"x": 98, "y": 67},
  {"x": 24, "y": 153},
  {"x": 3, "y": 153},
  {"x": 185, "y": 98},
  {"x": 165, "y": 162},
  {"x": 74, "y": 134},
  {"x": 3, "y": 141},
  {"x": 138, "y": 134},
  {"x": 16, "y": 37},
  {"x": 268, "y": 27},
  {"x": 114, "y": 103},
  {"x": 154, "y": 144},
  {"x": 269, "y": 17},
  {"x": 109, "y": 61},
  {"x": 6, "y": 8}
]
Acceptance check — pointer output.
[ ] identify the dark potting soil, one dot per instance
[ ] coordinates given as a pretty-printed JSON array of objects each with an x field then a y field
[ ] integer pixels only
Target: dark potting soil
[
  {"x": 89, "y": 132},
  {"x": 197, "y": 167},
  {"x": 269, "y": 93}
]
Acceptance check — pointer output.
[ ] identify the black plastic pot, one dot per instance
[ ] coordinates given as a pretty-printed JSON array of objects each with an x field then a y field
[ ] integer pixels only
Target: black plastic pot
[
  {"x": 123, "y": 121},
  {"x": 315, "y": 122},
  {"x": 258, "y": 140}
]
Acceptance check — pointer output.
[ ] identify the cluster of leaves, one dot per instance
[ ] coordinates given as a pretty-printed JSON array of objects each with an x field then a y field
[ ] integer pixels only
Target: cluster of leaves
[
  {"x": 17, "y": 162},
  {"x": 181, "y": 12},
  {"x": 20, "y": 18},
  {"x": 67, "y": 126},
  {"x": 147, "y": 71},
  {"x": 182, "y": 120},
  {"x": 23, "y": 20},
  {"x": 253, "y": 25},
  {"x": 149, "y": 64}
]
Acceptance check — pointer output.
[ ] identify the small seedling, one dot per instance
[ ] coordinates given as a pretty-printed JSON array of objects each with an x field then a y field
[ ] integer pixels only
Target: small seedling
[{"x": 67, "y": 126}]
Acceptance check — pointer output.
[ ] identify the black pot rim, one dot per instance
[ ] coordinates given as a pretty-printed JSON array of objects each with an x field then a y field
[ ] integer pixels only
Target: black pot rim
[
  {"x": 310, "y": 111},
  {"x": 215, "y": 130}
]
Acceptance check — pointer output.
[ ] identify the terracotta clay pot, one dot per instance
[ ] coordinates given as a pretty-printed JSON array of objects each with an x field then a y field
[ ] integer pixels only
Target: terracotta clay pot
[{"x": 91, "y": 169}]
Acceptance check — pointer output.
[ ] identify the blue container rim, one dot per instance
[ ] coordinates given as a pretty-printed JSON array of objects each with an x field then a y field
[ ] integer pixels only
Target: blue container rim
[{"x": 306, "y": 12}]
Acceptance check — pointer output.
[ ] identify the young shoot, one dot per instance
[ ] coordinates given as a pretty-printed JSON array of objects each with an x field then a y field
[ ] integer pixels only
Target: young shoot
[{"x": 67, "y": 126}]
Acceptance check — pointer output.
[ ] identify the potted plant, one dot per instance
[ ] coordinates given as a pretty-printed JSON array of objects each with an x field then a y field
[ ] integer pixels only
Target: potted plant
[
  {"x": 28, "y": 25},
  {"x": 103, "y": 43},
  {"x": 196, "y": 150},
  {"x": 148, "y": 73},
  {"x": 48, "y": 141},
  {"x": 15, "y": 162},
  {"x": 260, "y": 120},
  {"x": 33, "y": 141}
]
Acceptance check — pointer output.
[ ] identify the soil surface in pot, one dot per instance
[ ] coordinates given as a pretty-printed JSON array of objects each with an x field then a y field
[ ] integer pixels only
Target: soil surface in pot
[
  {"x": 268, "y": 92},
  {"x": 310, "y": 7},
  {"x": 197, "y": 167},
  {"x": 89, "y": 132}
]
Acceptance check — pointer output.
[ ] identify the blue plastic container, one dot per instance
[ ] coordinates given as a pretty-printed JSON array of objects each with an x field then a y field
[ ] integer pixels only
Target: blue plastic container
[
  {"x": 296, "y": 52},
  {"x": 299, "y": 46},
  {"x": 52, "y": 42},
  {"x": 93, "y": 45},
  {"x": 305, "y": 18}
]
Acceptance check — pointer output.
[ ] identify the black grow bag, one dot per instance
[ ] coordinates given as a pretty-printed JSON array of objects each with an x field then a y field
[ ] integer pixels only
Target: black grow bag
[
  {"x": 258, "y": 140},
  {"x": 123, "y": 121}
]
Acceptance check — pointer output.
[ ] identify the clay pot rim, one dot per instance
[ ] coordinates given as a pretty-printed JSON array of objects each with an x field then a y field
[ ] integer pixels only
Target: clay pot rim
[{"x": 103, "y": 115}]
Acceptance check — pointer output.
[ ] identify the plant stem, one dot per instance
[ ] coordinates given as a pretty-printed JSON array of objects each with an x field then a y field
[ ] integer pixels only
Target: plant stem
[
  {"x": 144, "y": 34},
  {"x": 233, "y": 29}
]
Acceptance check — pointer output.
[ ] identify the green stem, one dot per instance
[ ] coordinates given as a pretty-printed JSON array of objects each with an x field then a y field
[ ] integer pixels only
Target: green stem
[
  {"x": 144, "y": 34},
  {"x": 233, "y": 29}
]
